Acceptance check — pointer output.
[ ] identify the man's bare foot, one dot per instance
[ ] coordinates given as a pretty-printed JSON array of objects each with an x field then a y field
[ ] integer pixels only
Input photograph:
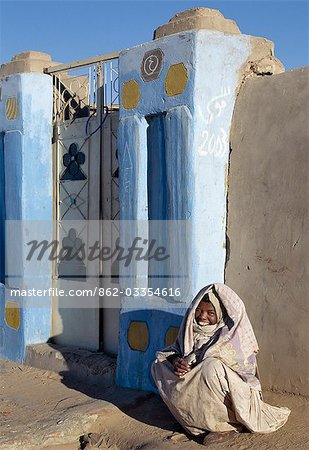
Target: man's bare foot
[{"x": 217, "y": 438}]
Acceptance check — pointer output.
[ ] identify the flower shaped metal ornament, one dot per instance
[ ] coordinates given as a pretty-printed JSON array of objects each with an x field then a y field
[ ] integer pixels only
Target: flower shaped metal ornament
[{"x": 72, "y": 161}]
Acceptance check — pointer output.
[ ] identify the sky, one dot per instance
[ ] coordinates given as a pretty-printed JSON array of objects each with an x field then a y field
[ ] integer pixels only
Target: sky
[{"x": 72, "y": 29}]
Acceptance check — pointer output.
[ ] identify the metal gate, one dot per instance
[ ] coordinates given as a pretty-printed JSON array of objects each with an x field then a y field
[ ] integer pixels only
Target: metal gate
[{"x": 85, "y": 120}]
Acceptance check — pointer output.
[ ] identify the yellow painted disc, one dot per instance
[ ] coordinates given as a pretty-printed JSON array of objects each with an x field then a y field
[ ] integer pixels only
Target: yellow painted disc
[
  {"x": 176, "y": 79},
  {"x": 11, "y": 108},
  {"x": 138, "y": 336},
  {"x": 171, "y": 335},
  {"x": 130, "y": 95},
  {"x": 12, "y": 314}
]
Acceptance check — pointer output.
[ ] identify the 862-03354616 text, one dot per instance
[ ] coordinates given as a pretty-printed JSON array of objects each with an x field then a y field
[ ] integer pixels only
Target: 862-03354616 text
[{"x": 99, "y": 291}]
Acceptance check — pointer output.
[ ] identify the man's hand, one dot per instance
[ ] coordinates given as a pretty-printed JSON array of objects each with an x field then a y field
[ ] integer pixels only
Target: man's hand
[{"x": 181, "y": 366}]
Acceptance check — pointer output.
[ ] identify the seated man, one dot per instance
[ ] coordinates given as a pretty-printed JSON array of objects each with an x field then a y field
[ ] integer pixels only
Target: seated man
[{"x": 207, "y": 378}]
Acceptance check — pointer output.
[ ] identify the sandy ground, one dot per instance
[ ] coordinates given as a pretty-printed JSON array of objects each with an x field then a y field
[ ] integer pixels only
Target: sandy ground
[{"x": 43, "y": 410}]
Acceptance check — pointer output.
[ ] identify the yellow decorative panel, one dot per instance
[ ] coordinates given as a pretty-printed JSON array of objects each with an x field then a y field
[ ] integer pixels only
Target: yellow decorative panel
[
  {"x": 171, "y": 335},
  {"x": 130, "y": 95},
  {"x": 176, "y": 79},
  {"x": 11, "y": 108},
  {"x": 138, "y": 336},
  {"x": 12, "y": 314}
]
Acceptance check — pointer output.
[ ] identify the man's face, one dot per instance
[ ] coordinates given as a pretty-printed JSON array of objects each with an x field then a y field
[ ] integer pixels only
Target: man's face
[{"x": 205, "y": 314}]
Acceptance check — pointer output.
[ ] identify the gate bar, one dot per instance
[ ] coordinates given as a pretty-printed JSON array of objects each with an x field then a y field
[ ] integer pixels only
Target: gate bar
[{"x": 82, "y": 63}]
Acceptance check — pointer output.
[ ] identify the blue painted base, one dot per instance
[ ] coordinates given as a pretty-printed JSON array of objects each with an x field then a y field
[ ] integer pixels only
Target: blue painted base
[
  {"x": 34, "y": 328},
  {"x": 12, "y": 345},
  {"x": 133, "y": 367}
]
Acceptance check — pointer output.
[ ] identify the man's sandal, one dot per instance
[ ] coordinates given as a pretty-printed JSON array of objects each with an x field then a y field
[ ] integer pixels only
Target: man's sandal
[{"x": 217, "y": 438}]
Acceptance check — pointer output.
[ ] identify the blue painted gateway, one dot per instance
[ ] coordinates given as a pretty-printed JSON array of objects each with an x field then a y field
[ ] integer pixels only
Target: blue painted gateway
[{"x": 159, "y": 158}]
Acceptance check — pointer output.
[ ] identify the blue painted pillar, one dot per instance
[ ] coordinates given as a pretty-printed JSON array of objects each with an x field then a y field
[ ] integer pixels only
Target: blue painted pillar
[
  {"x": 177, "y": 98},
  {"x": 26, "y": 203}
]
